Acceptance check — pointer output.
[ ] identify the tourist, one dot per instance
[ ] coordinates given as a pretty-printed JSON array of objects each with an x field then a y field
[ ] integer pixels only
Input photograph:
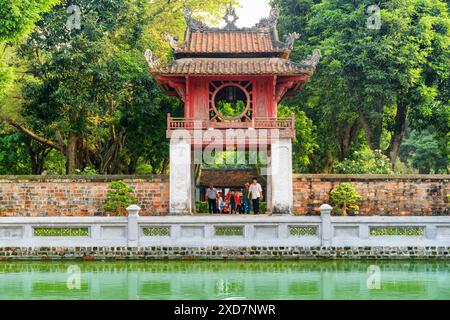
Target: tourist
[
  {"x": 226, "y": 207},
  {"x": 232, "y": 202},
  {"x": 221, "y": 203},
  {"x": 211, "y": 193},
  {"x": 255, "y": 194},
  {"x": 237, "y": 200},
  {"x": 246, "y": 199},
  {"x": 241, "y": 204}
]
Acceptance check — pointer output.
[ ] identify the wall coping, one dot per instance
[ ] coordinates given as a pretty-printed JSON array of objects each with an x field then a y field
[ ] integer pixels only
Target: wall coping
[
  {"x": 149, "y": 178},
  {"x": 81, "y": 178},
  {"x": 356, "y": 177}
]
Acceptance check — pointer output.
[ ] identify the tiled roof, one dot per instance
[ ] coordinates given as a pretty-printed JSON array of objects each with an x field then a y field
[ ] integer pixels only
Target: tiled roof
[
  {"x": 227, "y": 178},
  {"x": 229, "y": 42},
  {"x": 247, "y": 66}
]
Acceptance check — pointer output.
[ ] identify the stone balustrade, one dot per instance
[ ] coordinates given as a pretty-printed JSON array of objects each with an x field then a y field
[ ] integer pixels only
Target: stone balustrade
[{"x": 234, "y": 234}]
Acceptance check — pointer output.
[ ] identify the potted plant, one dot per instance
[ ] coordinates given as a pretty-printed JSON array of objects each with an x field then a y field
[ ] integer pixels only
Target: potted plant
[
  {"x": 119, "y": 198},
  {"x": 344, "y": 199}
]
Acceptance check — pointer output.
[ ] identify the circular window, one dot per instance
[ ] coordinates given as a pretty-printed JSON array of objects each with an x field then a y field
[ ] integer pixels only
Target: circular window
[{"x": 231, "y": 101}]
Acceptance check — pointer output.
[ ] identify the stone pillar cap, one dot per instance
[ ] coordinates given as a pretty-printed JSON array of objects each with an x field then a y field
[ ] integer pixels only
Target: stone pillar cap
[
  {"x": 325, "y": 207},
  {"x": 133, "y": 207}
]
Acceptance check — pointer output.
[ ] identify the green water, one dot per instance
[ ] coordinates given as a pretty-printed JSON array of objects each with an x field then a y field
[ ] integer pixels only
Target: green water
[{"x": 225, "y": 280}]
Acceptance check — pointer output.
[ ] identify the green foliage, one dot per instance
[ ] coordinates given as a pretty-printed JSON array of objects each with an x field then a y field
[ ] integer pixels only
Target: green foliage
[
  {"x": 91, "y": 87},
  {"x": 303, "y": 231},
  {"x": 87, "y": 171},
  {"x": 425, "y": 152},
  {"x": 201, "y": 206},
  {"x": 305, "y": 142},
  {"x": 397, "y": 231},
  {"x": 120, "y": 196},
  {"x": 262, "y": 207},
  {"x": 229, "y": 231},
  {"x": 61, "y": 232},
  {"x": 230, "y": 109},
  {"x": 365, "y": 162},
  {"x": 344, "y": 199},
  {"x": 370, "y": 84},
  {"x": 13, "y": 156},
  {"x": 19, "y": 17},
  {"x": 156, "y": 231}
]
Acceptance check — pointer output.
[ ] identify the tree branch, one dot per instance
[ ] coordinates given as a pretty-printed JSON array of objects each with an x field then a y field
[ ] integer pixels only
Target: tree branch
[{"x": 33, "y": 135}]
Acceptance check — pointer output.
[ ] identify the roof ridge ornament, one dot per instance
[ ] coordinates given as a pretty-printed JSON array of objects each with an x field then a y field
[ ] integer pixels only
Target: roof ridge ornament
[
  {"x": 266, "y": 24},
  {"x": 313, "y": 59},
  {"x": 193, "y": 24},
  {"x": 230, "y": 17},
  {"x": 152, "y": 60},
  {"x": 172, "y": 40},
  {"x": 290, "y": 40}
]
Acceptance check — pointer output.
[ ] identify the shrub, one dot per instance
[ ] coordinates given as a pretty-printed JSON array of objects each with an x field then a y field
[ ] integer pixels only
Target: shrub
[
  {"x": 365, "y": 162},
  {"x": 344, "y": 199},
  {"x": 88, "y": 171},
  {"x": 262, "y": 207},
  {"x": 119, "y": 198},
  {"x": 201, "y": 207}
]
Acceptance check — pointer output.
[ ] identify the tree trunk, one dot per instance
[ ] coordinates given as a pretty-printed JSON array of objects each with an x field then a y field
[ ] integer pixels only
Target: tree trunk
[
  {"x": 74, "y": 152},
  {"x": 132, "y": 165},
  {"x": 165, "y": 166},
  {"x": 398, "y": 133},
  {"x": 37, "y": 154},
  {"x": 329, "y": 163},
  {"x": 349, "y": 134},
  {"x": 373, "y": 132}
]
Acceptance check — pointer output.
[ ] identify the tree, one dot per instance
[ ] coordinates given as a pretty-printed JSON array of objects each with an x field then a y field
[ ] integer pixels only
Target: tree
[
  {"x": 375, "y": 79},
  {"x": 304, "y": 144},
  {"x": 18, "y": 20},
  {"x": 91, "y": 89}
]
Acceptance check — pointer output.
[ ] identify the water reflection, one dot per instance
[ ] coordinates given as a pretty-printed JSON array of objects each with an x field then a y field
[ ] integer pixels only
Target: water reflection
[{"x": 226, "y": 280}]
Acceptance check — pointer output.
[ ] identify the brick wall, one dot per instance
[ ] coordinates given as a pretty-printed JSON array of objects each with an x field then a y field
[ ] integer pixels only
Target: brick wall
[
  {"x": 85, "y": 195},
  {"x": 381, "y": 194},
  {"x": 78, "y": 195}
]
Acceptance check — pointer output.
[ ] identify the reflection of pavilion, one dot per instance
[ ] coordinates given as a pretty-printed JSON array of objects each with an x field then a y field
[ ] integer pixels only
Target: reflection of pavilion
[{"x": 231, "y": 78}]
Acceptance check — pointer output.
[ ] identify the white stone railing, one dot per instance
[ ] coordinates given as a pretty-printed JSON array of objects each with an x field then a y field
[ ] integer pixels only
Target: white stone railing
[{"x": 225, "y": 231}]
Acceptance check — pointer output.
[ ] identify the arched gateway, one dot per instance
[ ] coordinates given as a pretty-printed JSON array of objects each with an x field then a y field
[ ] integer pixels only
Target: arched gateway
[{"x": 231, "y": 80}]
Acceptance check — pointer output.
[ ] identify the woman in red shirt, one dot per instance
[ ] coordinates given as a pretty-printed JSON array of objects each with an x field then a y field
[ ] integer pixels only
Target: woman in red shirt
[{"x": 237, "y": 200}]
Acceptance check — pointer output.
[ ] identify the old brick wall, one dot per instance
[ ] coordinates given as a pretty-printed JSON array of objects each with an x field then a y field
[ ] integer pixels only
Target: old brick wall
[
  {"x": 381, "y": 194},
  {"x": 85, "y": 195},
  {"x": 76, "y": 195}
]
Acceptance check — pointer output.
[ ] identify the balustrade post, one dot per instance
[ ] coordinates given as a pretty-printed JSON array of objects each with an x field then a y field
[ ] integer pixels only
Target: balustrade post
[
  {"x": 325, "y": 215},
  {"x": 133, "y": 228}
]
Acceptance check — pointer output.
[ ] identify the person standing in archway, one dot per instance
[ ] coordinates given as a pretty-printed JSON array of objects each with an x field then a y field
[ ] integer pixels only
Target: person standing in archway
[
  {"x": 255, "y": 194},
  {"x": 246, "y": 198},
  {"x": 211, "y": 193}
]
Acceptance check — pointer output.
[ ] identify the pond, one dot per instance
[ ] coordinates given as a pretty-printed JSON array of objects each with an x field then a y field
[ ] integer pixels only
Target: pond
[{"x": 226, "y": 280}]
